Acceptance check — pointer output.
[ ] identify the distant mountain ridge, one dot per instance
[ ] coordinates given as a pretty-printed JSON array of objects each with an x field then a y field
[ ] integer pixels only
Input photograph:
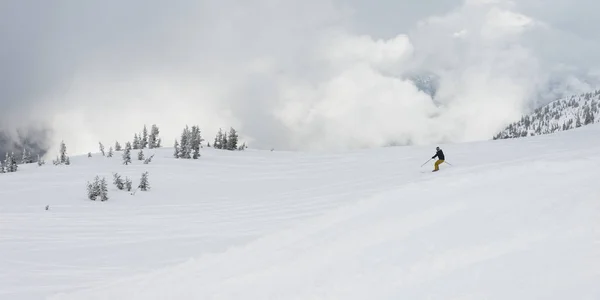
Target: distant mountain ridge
[{"x": 560, "y": 115}]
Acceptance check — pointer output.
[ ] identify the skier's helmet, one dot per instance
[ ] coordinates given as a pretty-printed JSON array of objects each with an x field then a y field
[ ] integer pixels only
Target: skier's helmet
[{"x": 437, "y": 148}]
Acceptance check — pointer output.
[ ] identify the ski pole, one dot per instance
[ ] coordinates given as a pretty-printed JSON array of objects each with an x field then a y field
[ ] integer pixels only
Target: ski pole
[
  {"x": 448, "y": 163},
  {"x": 426, "y": 162}
]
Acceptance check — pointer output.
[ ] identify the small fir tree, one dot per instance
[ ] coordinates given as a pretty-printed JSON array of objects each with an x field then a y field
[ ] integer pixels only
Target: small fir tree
[
  {"x": 63, "y": 153},
  {"x": 176, "y": 146},
  {"x": 144, "y": 140},
  {"x": 233, "y": 140},
  {"x": 144, "y": 184},
  {"x": 103, "y": 190},
  {"x": 118, "y": 182},
  {"x": 136, "y": 142},
  {"x": 127, "y": 154}
]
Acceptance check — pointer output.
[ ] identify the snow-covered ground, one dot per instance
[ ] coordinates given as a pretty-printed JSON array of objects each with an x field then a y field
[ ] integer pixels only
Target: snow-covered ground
[{"x": 510, "y": 219}]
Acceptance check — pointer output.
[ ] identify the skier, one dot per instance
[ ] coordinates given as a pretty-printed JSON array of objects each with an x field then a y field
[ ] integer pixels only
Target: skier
[{"x": 441, "y": 158}]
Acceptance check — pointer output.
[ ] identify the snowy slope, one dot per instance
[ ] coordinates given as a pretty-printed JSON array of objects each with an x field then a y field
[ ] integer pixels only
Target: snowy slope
[
  {"x": 560, "y": 115},
  {"x": 511, "y": 219}
]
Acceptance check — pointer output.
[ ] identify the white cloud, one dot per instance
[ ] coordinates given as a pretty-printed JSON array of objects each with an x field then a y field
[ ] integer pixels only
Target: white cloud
[{"x": 307, "y": 74}]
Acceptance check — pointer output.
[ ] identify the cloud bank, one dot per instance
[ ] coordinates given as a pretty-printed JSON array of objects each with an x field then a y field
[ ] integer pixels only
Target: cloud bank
[{"x": 302, "y": 75}]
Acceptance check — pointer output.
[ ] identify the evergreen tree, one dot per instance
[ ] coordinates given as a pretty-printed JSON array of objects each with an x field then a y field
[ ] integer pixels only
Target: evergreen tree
[
  {"x": 218, "y": 140},
  {"x": 63, "y": 153},
  {"x": 97, "y": 189},
  {"x": 89, "y": 154},
  {"x": 589, "y": 117},
  {"x": 144, "y": 184},
  {"x": 224, "y": 141},
  {"x": 233, "y": 140},
  {"x": 12, "y": 163},
  {"x": 158, "y": 143},
  {"x": 40, "y": 161},
  {"x": 127, "y": 154},
  {"x": 186, "y": 144},
  {"x": 26, "y": 157},
  {"x": 196, "y": 141},
  {"x": 117, "y": 146},
  {"x": 91, "y": 191},
  {"x": 102, "y": 149},
  {"x": 128, "y": 184},
  {"x": 103, "y": 190},
  {"x": 110, "y": 151},
  {"x": 144, "y": 141},
  {"x": 118, "y": 181},
  {"x": 176, "y": 146},
  {"x": 136, "y": 142},
  {"x": 148, "y": 160},
  {"x": 153, "y": 137},
  {"x": 141, "y": 155}
]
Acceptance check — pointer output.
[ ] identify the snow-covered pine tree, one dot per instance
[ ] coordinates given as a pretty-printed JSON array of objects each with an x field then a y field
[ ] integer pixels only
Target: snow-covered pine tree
[
  {"x": 148, "y": 160},
  {"x": 144, "y": 184},
  {"x": 40, "y": 161},
  {"x": 117, "y": 146},
  {"x": 95, "y": 189},
  {"x": 110, "y": 152},
  {"x": 233, "y": 140},
  {"x": 136, "y": 142},
  {"x": 158, "y": 143},
  {"x": 144, "y": 141},
  {"x": 6, "y": 164},
  {"x": 589, "y": 117},
  {"x": 103, "y": 190},
  {"x": 218, "y": 140},
  {"x": 186, "y": 144},
  {"x": 127, "y": 154},
  {"x": 141, "y": 154},
  {"x": 89, "y": 154},
  {"x": 118, "y": 182},
  {"x": 153, "y": 137},
  {"x": 11, "y": 163},
  {"x": 196, "y": 141},
  {"x": 102, "y": 149},
  {"x": 63, "y": 153},
  {"x": 224, "y": 141},
  {"x": 176, "y": 146},
  {"x": 68, "y": 161},
  {"x": 90, "y": 191},
  {"x": 128, "y": 184},
  {"x": 26, "y": 156}
]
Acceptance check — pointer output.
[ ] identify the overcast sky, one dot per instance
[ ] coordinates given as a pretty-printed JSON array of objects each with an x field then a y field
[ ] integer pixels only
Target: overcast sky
[{"x": 306, "y": 75}]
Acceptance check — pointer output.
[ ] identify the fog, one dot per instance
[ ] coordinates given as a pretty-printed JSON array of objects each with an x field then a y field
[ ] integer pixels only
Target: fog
[{"x": 298, "y": 75}]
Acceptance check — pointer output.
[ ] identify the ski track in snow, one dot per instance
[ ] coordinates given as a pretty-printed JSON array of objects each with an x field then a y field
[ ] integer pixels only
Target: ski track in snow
[{"x": 510, "y": 219}]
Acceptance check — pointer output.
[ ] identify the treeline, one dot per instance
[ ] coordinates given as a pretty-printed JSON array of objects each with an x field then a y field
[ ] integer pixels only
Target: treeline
[{"x": 560, "y": 115}]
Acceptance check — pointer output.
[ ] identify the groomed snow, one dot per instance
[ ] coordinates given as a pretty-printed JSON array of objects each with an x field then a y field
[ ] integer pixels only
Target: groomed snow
[{"x": 510, "y": 219}]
